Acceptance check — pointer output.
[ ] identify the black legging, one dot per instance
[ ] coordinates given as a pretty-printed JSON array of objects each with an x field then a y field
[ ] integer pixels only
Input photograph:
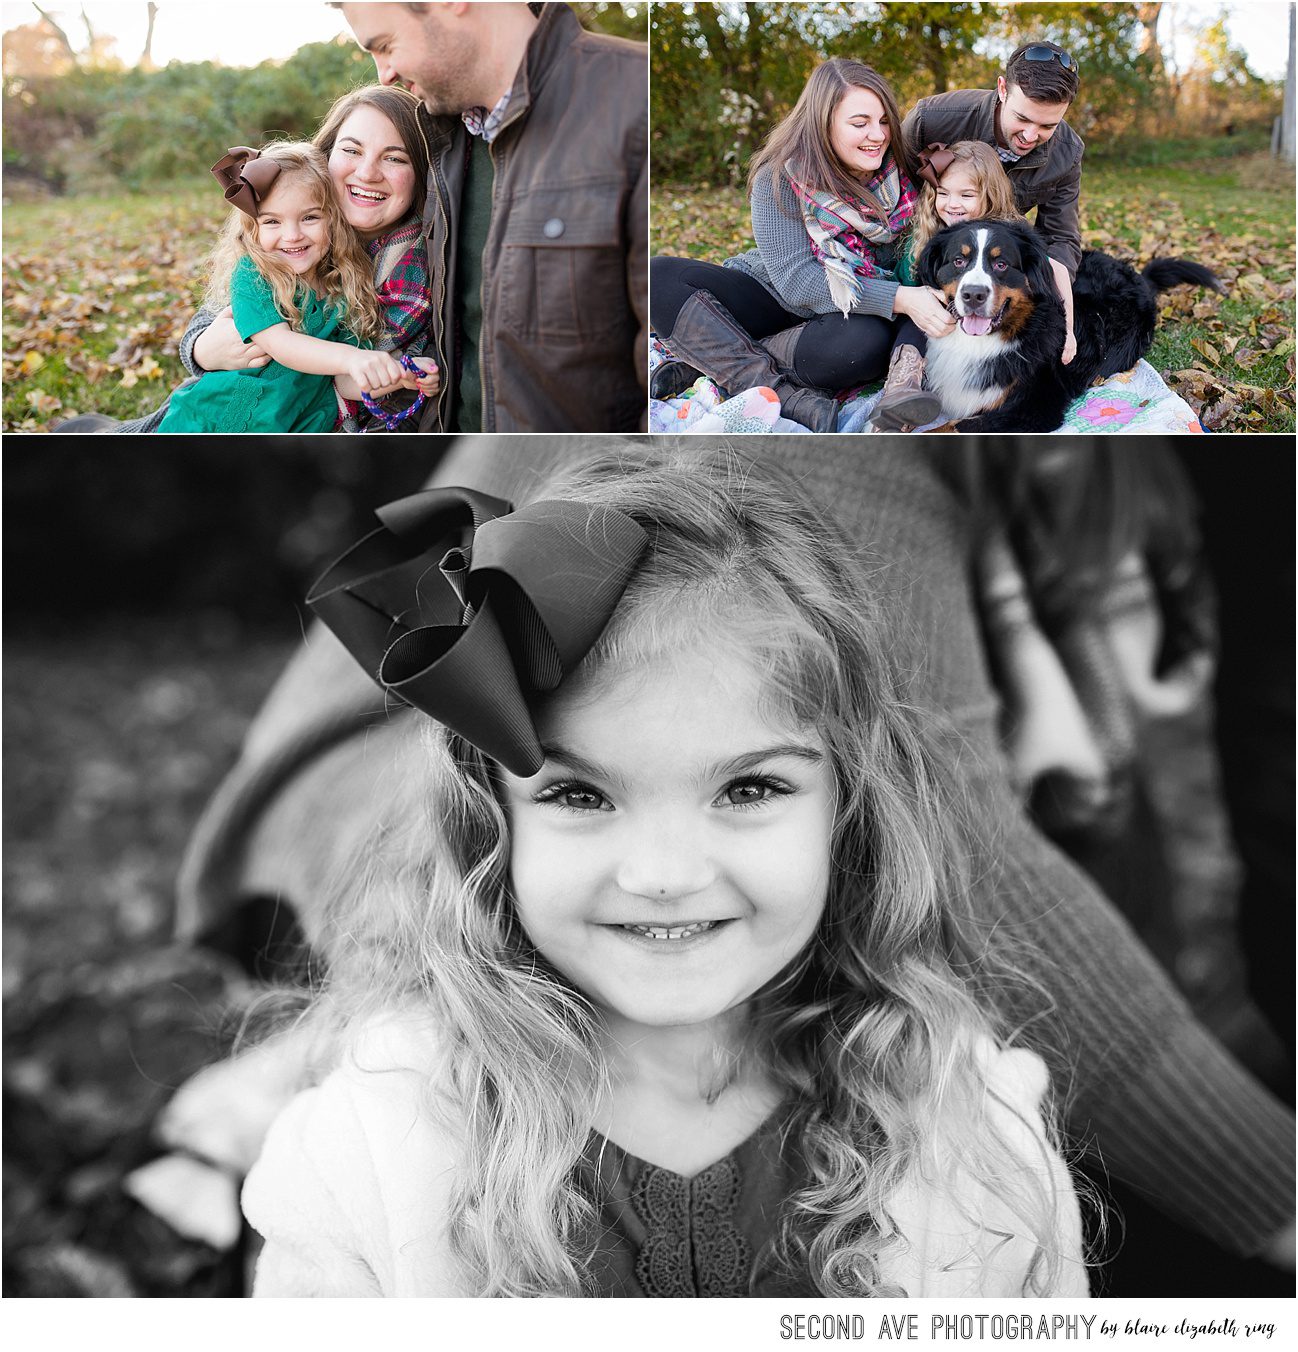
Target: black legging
[{"x": 833, "y": 353}]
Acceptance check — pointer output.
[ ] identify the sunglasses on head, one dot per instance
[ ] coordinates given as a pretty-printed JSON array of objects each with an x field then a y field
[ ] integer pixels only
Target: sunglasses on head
[{"x": 1049, "y": 54}]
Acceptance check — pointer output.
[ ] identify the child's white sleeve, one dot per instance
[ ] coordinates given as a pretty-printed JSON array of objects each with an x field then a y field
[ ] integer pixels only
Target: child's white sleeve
[
  {"x": 353, "y": 1187},
  {"x": 1020, "y": 1079},
  {"x": 307, "y": 1195}
]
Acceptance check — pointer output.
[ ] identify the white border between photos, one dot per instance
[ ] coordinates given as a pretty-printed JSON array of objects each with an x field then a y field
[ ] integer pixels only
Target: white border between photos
[{"x": 654, "y": 1326}]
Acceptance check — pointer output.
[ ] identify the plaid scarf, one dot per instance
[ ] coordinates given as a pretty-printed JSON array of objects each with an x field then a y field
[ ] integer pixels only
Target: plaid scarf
[
  {"x": 401, "y": 281},
  {"x": 405, "y": 297},
  {"x": 845, "y": 232}
]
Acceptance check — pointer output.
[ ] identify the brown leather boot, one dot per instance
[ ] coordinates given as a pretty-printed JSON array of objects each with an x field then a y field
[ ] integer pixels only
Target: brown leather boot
[
  {"x": 707, "y": 336},
  {"x": 904, "y": 404}
]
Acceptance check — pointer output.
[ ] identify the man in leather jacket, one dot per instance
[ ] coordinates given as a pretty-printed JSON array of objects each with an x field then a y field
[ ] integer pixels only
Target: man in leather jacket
[
  {"x": 537, "y": 211},
  {"x": 1023, "y": 120}
]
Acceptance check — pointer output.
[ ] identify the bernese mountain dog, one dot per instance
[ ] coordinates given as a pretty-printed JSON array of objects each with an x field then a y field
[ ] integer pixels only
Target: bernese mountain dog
[{"x": 999, "y": 369}]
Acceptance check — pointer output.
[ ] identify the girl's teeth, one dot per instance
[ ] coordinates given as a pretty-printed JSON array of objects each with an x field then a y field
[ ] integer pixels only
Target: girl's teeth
[{"x": 671, "y": 931}]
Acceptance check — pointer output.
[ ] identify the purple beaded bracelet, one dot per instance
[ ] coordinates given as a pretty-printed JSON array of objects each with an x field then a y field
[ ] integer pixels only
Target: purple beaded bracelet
[{"x": 391, "y": 421}]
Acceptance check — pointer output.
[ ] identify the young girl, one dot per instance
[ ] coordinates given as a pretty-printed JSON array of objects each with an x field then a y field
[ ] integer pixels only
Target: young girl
[
  {"x": 974, "y": 184},
  {"x": 659, "y": 999},
  {"x": 301, "y": 284},
  {"x": 961, "y": 182}
]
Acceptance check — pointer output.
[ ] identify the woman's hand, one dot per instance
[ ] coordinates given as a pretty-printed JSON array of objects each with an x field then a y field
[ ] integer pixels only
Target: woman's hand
[
  {"x": 926, "y": 307},
  {"x": 219, "y": 347},
  {"x": 1070, "y": 348},
  {"x": 374, "y": 371}
]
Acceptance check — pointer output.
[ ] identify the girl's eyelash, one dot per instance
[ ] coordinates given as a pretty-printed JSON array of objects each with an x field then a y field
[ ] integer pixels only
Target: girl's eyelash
[
  {"x": 772, "y": 789},
  {"x": 775, "y": 788},
  {"x": 554, "y": 793}
]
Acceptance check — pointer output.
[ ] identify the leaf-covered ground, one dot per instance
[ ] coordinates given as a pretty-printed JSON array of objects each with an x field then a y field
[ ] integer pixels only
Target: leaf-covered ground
[
  {"x": 114, "y": 740},
  {"x": 1231, "y": 358},
  {"x": 97, "y": 292}
]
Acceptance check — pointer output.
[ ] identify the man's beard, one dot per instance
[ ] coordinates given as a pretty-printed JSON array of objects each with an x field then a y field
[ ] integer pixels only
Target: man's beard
[{"x": 449, "y": 94}]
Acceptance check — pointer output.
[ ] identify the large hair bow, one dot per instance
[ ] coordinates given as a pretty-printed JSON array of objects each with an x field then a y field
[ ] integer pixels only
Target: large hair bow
[
  {"x": 934, "y": 160},
  {"x": 463, "y": 607},
  {"x": 246, "y": 178}
]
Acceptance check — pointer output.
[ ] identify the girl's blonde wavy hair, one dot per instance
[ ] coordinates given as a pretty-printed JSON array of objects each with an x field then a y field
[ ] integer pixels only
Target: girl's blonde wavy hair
[
  {"x": 873, "y": 1032},
  {"x": 345, "y": 276},
  {"x": 991, "y": 180}
]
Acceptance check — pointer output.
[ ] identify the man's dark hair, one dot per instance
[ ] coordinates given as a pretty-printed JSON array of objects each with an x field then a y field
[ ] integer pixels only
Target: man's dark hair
[{"x": 1044, "y": 81}]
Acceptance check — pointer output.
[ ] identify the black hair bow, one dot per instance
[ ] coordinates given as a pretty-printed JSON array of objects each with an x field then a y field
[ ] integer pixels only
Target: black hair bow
[{"x": 463, "y": 607}]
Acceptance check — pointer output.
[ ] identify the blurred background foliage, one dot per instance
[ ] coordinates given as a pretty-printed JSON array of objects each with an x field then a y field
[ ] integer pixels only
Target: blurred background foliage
[
  {"x": 120, "y": 540},
  {"x": 739, "y": 68},
  {"x": 157, "y": 592},
  {"x": 82, "y": 119}
]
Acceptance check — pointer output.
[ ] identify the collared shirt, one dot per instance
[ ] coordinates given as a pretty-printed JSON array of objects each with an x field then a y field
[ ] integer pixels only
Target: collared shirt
[{"x": 486, "y": 124}]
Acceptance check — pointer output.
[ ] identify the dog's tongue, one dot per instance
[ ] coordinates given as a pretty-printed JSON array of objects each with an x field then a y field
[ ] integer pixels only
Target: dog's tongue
[{"x": 976, "y": 324}]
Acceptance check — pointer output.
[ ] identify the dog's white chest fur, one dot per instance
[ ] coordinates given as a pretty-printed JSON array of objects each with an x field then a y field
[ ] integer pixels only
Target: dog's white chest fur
[{"x": 953, "y": 371}]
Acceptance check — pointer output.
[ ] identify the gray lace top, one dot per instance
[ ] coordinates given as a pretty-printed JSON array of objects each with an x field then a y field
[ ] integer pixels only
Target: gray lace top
[{"x": 664, "y": 1235}]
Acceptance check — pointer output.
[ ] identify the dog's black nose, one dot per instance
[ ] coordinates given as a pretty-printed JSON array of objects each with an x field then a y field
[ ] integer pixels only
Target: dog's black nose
[{"x": 974, "y": 295}]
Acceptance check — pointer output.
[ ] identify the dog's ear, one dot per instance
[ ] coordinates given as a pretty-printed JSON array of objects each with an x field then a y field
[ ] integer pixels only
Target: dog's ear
[
  {"x": 931, "y": 259},
  {"x": 1036, "y": 264}
]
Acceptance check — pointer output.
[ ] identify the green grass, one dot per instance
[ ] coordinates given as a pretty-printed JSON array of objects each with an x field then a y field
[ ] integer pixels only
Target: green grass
[
  {"x": 97, "y": 291},
  {"x": 1231, "y": 357}
]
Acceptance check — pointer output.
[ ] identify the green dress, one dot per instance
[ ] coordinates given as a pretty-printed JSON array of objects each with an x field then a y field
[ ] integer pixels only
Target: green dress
[{"x": 270, "y": 398}]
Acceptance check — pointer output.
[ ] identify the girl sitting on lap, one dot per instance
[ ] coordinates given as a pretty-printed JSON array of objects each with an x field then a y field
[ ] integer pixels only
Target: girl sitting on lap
[{"x": 300, "y": 283}]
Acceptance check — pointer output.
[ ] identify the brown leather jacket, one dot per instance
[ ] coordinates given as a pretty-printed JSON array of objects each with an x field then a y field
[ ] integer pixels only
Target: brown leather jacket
[
  {"x": 1048, "y": 178},
  {"x": 565, "y": 269}
]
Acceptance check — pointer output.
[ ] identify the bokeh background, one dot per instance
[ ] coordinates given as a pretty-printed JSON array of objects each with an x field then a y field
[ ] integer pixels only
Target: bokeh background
[{"x": 153, "y": 593}]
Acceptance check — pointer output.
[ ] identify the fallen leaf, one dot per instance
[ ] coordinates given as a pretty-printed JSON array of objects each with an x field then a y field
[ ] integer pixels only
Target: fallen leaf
[{"x": 42, "y": 402}]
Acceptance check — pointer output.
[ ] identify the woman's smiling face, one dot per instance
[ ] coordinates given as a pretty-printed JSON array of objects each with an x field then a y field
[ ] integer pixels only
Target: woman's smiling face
[
  {"x": 372, "y": 172},
  {"x": 859, "y": 132},
  {"x": 672, "y": 855}
]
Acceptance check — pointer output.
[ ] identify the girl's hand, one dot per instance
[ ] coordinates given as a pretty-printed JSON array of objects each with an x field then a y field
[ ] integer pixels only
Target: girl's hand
[
  {"x": 1070, "y": 348},
  {"x": 373, "y": 371},
  {"x": 431, "y": 382},
  {"x": 926, "y": 307},
  {"x": 219, "y": 347}
]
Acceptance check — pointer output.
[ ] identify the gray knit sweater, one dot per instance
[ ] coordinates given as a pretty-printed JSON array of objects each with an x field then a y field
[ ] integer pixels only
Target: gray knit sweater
[
  {"x": 1142, "y": 1083},
  {"x": 786, "y": 267}
]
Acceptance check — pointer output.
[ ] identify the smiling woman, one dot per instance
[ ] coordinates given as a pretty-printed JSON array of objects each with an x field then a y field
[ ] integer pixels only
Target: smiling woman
[
  {"x": 298, "y": 280},
  {"x": 817, "y": 306},
  {"x": 377, "y": 166}
]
